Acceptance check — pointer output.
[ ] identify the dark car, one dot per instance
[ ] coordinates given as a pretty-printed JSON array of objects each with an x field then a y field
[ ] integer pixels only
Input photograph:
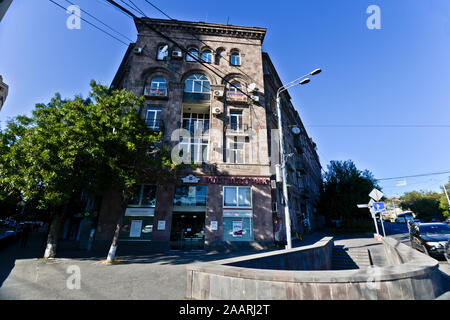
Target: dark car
[{"x": 430, "y": 238}]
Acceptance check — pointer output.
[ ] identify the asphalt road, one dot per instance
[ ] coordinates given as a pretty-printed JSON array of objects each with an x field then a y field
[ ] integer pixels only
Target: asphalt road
[{"x": 400, "y": 232}]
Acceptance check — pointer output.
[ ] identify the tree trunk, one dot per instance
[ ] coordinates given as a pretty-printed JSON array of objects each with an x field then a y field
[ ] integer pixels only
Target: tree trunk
[
  {"x": 112, "y": 250},
  {"x": 53, "y": 233}
]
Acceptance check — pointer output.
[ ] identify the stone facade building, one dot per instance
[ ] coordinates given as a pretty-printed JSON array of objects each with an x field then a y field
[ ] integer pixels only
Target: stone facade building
[
  {"x": 3, "y": 92},
  {"x": 217, "y": 114}
]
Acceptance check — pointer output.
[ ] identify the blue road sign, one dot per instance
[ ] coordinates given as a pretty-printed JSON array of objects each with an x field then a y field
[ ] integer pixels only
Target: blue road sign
[{"x": 379, "y": 207}]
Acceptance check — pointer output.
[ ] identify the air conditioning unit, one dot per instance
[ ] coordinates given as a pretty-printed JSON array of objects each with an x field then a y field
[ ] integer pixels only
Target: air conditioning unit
[
  {"x": 177, "y": 54},
  {"x": 255, "y": 98},
  {"x": 217, "y": 110},
  {"x": 218, "y": 93},
  {"x": 138, "y": 50}
]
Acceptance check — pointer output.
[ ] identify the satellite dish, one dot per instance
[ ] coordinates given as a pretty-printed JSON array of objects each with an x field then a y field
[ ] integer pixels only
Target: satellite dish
[
  {"x": 296, "y": 130},
  {"x": 251, "y": 87},
  {"x": 165, "y": 48}
]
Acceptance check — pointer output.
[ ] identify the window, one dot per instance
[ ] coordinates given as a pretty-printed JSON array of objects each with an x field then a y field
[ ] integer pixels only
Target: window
[
  {"x": 236, "y": 149},
  {"x": 158, "y": 87},
  {"x": 163, "y": 52},
  {"x": 153, "y": 117},
  {"x": 197, "y": 83},
  {"x": 207, "y": 56},
  {"x": 190, "y": 196},
  {"x": 237, "y": 197},
  {"x": 143, "y": 196},
  {"x": 192, "y": 55},
  {"x": 197, "y": 148},
  {"x": 235, "y": 58},
  {"x": 236, "y": 120},
  {"x": 196, "y": 122}
]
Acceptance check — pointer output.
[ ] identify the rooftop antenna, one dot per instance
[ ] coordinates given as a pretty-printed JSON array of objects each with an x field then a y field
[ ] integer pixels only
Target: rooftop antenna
[{"x": 228, "y": 20}]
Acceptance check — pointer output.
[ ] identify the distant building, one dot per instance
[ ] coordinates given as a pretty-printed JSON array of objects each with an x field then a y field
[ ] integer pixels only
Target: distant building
[
  {"x": 4, "y": 5},
  {"x": 232, "y": 198},
  {"x": 3, "y": 92}
]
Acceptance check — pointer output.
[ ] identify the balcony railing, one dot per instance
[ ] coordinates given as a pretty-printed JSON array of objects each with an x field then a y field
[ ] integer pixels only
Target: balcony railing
[
  {"x": 234, "y": 129},
  {"x": 236, "y": 97},
  {"x": 155, "y": 92}
]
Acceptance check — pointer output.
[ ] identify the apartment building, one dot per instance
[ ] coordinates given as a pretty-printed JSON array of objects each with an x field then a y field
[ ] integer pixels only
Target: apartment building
[{"x": 209, "y": 90}]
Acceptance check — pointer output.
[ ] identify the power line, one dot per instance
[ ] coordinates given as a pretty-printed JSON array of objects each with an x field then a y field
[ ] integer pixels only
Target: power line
[
  {"x": 57, "y": 4},
  {"x": 417, "y": 175},
  {"x": 381, "y": 126},
  {"x": 102, "y": 22},
  {"x": 214, "y": 51}
]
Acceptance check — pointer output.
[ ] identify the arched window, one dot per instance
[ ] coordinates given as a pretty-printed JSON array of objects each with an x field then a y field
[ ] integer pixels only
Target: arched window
[
  {"x": 192, "y": 55},
  {"x": 236, "y": 87},
  {"x": 235, "y": 58},
  {"x": 163, "y": 52},
  {"x": 207, "y": 56},
  {"x": 197, "y": 83},
  {"x": 157, "y": 87}
]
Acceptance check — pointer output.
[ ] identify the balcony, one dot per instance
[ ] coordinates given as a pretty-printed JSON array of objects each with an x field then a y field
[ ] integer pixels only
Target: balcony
[
  {"x": 236, "y": 97},
  {"x": 150, "y": 92},
  {"x": 196, "y": 98},
  {"x": 236, "y": 130}
]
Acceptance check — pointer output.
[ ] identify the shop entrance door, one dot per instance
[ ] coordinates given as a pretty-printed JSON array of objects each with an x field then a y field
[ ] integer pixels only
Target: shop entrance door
[{"x": 188, "y": 231}]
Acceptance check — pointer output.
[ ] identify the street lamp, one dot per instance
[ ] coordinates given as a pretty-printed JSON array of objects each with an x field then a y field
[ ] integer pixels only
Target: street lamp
[{"x": 302, "y": 80}]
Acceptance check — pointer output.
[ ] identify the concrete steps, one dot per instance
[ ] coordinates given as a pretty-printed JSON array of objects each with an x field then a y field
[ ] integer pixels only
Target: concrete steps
[{"x": 350, "y": 258}]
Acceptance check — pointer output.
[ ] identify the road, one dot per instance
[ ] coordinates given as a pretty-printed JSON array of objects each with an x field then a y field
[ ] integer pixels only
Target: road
[{"x": 400, "y": 232}]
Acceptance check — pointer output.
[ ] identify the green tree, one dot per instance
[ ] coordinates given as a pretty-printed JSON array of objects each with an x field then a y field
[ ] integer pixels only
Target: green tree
[
  {"x": 343, "y": 188},
  {"x": 444, "y": 204},
  {"x": 424, "y": 204},
  {"x": 75, "y": 144}
]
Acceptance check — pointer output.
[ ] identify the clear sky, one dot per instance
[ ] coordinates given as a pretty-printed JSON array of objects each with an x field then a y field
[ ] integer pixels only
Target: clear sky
[{"x": 397, "y": 76}]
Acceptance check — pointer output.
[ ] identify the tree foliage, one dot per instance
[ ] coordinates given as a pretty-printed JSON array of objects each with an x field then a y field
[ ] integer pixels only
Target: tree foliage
[
  {"x": 343, "y": 188},
  {"x": 444, "y": 204},
  {"x": 424, "y": 204},
  {"x": 81, "y": 144}
]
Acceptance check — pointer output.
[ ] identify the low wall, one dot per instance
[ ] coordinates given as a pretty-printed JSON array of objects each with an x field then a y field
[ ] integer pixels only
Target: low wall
[{"x": 286, "y": 275}]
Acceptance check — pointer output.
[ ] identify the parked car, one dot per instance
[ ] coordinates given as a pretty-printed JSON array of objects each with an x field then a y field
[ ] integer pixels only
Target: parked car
[
  {"x": 447, "y": 221},
  {"x": 435, "y": 220},
  {"x": 403, "y": 217},
  {"x": 430, "y": 238}
]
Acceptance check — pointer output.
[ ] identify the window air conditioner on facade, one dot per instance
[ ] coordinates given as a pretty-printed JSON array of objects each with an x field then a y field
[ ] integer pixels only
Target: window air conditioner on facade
[
  {"x": 177, "y": 54},
  {"x": 218, "y": 93},
  {"x": 138, "y": 50},
  {"x": 217, "y": 110}
]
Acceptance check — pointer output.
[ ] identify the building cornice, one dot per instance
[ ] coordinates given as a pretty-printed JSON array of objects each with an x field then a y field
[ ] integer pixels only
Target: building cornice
[{"x": 202, "y": 28}]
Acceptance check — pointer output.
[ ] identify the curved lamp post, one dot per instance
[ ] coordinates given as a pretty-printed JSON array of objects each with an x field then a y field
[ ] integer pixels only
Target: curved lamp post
[{"x": 302, "y": 80}]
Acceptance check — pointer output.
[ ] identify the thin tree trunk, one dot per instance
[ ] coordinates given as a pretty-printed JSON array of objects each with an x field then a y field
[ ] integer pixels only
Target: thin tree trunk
[
  {"x": 53, "y": 233},
  {"x": 112, "y": 250}
]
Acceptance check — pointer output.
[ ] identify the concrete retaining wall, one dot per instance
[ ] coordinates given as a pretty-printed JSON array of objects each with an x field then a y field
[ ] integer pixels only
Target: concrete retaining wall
[{"x": 286, "y": 275}]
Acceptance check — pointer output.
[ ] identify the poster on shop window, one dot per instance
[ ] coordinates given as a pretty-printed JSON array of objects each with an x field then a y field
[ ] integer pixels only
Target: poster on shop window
[
  {"x": 135, "y": 229},
  {"x": 237, "y": 228}
]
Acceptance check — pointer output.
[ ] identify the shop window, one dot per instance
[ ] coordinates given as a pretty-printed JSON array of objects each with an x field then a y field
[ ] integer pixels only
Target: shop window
[
  {"x": 237, "y": 197},
  {"x": 190, "y": 196},
  {"x": 143, "y": 196},
  {"x": 237, "y": 229}
]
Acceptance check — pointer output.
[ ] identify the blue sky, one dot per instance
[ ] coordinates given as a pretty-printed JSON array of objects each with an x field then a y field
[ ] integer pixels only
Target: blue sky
[{"x": 399, "y": 75}]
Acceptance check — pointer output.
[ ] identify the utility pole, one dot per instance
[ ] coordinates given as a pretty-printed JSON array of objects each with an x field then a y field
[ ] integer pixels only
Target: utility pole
[{"x": 446, "y": 194}]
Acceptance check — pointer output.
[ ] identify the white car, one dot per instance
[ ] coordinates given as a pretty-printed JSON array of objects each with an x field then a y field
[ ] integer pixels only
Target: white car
[{"x": 404, "y": 217}]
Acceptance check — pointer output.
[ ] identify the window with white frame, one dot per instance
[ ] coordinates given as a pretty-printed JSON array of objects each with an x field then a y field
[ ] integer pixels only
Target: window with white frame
[
  {"x": 235, "y": 152},
  {"x": 143, "y": 196},
  {"x": 163, "y": 52},
  {"x": 196, "y": 122},
  {"x": 235, "y": 58},
  {"x": 207, "y": 56},
  {"x": 153, "y": 117},
  {"x": 196, "y": 148},
  {"x": 192, "y": 55},
  {"x": 197, "y": 83},
  {"x": 236, "y": 120},
  {"x": 158, "y": 87},
  {"x": 237, "y": 197}
]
